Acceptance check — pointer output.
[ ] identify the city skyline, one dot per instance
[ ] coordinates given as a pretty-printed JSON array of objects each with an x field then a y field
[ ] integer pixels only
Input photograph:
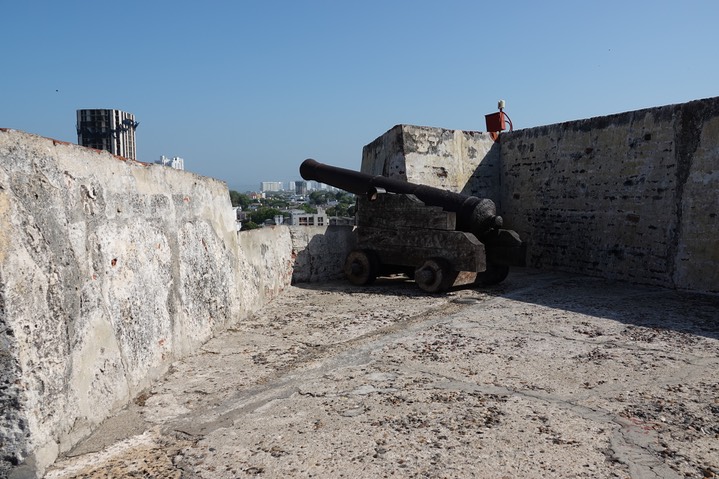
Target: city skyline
[
  {"x": 245, "y": 92},
  {"x": 290, "y": 185}
]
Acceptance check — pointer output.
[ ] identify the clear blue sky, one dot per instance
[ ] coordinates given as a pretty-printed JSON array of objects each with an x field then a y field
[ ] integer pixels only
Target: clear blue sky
[{"x": 246, "y": 90}]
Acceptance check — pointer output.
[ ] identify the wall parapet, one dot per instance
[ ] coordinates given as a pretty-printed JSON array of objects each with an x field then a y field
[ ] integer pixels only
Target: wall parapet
[
  {"x": 632, "y": 196},
  {"x": 109, "y": 271}
]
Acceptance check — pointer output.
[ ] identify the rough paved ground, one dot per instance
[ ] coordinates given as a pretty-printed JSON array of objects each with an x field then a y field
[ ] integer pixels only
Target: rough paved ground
[{"x": 546, "y": 375}]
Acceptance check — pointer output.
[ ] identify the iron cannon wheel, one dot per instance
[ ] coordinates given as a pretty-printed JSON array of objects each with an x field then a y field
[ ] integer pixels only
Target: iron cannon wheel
[
  {"x": 435, "y": 275},
  {"x": 361, "y": 267},
  {"x": 494, "y": 274}
]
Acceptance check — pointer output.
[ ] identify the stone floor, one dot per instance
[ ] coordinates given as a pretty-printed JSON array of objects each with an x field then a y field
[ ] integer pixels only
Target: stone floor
[{"x": 545, "y": 375}]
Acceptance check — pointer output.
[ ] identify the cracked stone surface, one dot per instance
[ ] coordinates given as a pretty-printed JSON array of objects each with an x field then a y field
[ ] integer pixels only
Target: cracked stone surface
[{"x": 545, "y": 375}]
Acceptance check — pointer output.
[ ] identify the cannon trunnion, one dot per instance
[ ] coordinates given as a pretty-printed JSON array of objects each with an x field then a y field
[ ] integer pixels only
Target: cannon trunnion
[{"x": 439, "y": 238}]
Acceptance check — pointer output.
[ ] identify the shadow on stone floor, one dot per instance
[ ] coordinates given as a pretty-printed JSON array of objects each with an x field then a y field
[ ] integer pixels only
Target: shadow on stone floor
[{"x": 642, "y": 306}]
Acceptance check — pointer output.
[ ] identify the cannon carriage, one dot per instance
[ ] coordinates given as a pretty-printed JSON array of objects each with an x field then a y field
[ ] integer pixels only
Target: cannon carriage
[{"x": 439, "y": 238}]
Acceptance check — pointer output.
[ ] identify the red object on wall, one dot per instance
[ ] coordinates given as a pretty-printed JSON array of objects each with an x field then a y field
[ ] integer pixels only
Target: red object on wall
[{"x": 495, "y": 122}]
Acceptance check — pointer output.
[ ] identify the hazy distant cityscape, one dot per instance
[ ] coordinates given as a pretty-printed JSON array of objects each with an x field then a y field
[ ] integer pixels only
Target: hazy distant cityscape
[{"x": 297, "y": 187}]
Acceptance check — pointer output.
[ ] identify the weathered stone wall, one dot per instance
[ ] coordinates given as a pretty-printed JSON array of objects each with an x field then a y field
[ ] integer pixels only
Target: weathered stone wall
[
  {"x": 632, "y": 196},
  {"x": 461, "y": 161},
  {"x": 320, "y": 252},
  {"x": 273, "y": 257},
  {"x": 109, "y": 271}
]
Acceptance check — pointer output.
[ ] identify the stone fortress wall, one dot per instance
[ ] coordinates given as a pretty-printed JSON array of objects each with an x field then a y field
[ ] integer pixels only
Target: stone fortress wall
[
  {"x": 112, "y": 269},
  {"x": 632, "y": 196}
]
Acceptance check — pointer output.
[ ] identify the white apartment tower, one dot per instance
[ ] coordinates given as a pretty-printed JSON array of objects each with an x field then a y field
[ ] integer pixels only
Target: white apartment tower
[
  {"x": 270, "y": 186},
  {"x": 110, "y": 130},
  {"x": 176, "y": 162}
]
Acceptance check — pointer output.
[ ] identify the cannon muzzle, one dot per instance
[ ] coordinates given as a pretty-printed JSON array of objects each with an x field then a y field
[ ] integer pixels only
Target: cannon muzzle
[{"x": 474, "y": 215}]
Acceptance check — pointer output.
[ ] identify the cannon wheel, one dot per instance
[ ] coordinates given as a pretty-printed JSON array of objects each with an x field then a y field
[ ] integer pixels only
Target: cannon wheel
[
  {"x": 361, "y": 267},
  {"x": 495, "y": 273},
  {"x": 435, "y": 275}
]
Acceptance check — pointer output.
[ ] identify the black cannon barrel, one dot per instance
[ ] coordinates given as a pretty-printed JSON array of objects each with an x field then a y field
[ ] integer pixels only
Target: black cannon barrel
[{"x": 474, "y": 215}]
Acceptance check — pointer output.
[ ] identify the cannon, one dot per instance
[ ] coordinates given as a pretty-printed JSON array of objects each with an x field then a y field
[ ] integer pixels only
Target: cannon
[{"x": 437, "y": 237}]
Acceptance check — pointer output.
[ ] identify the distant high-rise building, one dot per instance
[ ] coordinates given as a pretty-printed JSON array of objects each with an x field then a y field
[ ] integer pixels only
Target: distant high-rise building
[
  {"x": 176, "y": 162},
  {"x": 110, "y": 130},
  {"x": 271, "y": 186},
  {"x": 301, "y": 188}
]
